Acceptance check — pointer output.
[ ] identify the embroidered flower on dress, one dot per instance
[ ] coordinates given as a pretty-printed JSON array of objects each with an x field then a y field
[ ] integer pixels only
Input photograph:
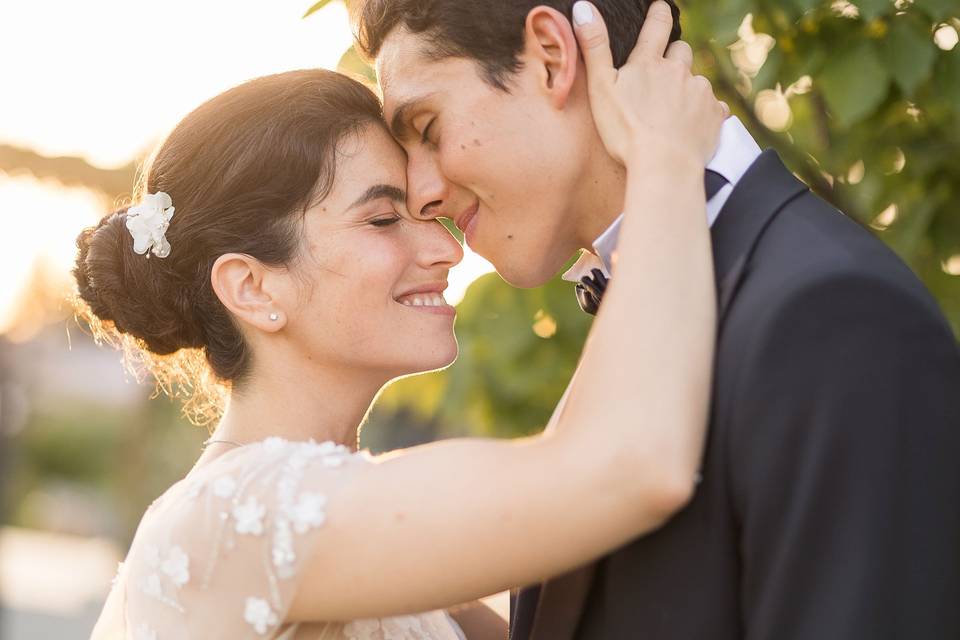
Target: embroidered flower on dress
[
  {"x": 193, "y": 489},
  {"x": 144, "y": 632},
  {"x": 249, "y": 516},
  {"x": 403, "y": 627},
  {"x": 361, "y": 629},
  {"x": 177, "y": 566},
  {"x": 259, "y": 615},
  {"x": 148, "y": 222},
  {"x": 151, "y": 586},
  {"x": 224, "y": 487},
  {"x": 274, "y": 444},
  {"x": 308, "y": 513},
  {"x": 282, "y": 552},
  {"x": 332, "y": 462}
]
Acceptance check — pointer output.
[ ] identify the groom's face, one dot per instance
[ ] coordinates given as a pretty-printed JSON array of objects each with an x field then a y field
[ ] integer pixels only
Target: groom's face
[{"x": 504, "y": 165}]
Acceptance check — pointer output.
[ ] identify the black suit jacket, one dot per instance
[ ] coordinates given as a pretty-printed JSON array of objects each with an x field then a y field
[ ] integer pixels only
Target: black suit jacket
[{"x": 830, "y": 501}]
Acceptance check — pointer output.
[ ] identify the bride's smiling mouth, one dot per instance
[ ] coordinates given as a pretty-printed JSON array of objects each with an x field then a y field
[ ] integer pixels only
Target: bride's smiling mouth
[{"x": 427, "y": 298}]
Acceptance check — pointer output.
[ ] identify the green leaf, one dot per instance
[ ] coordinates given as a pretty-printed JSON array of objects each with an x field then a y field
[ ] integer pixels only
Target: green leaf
[
  {"x": 769, "y": 72},
  {"x": 870, "y": 9},
  {"x": 316, "y": 7},
  {"x": 854, "y": 82},
  {"x": 948, "y": 78},
  {"x": 804, "y": 5},
  {"x": 452, "y": 228},
  {"x": 352, "y": 64},
  {"x": 909, "y": 52},
  {"x": 939, "y": 9}
]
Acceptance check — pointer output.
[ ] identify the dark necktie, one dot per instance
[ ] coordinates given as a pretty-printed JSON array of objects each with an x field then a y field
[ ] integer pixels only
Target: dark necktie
[{"x": 590, "y": 288}]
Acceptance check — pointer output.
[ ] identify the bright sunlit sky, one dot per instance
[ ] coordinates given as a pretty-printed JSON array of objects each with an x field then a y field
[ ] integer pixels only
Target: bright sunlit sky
[{"x": 106, "y": 79}]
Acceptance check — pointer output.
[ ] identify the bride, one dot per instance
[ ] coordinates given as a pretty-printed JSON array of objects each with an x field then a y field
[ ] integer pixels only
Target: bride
[{"x": 272, "y": 237}]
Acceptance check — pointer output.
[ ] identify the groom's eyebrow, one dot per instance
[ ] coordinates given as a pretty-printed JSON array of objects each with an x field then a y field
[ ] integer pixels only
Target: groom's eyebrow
[{"x": 378, "y": 191}]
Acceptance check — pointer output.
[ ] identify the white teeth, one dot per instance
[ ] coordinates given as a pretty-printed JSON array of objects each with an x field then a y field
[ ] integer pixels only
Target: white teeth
[{"x": 423, "y": 300}]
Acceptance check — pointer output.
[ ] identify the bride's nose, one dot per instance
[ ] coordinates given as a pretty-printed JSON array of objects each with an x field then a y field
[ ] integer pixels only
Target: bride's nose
[{"x": 436, "y": 247}]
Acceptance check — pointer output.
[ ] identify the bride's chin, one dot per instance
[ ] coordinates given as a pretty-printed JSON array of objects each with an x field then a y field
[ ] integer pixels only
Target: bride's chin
[{"x": 442, "y": 357}]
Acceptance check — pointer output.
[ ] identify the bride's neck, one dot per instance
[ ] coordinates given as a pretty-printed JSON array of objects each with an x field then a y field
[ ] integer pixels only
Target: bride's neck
[{"x": 300, "y": 403}]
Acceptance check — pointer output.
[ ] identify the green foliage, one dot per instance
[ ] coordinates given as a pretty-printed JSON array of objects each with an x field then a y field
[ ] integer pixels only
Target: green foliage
[
  {"x": 316, "y": 7},
  {"x": 508, "y": 378},
  {"x": 877, "y": 123},
  {"x": 854, "y": 83}
]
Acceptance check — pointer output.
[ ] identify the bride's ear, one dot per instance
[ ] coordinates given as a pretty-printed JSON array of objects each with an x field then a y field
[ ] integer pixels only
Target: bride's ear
[
  {"x": 550, "y": 47},
  {"x": 248, "y": 290}
]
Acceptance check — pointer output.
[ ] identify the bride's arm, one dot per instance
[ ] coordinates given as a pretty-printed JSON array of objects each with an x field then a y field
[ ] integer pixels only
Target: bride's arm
[{"x": 449, "y": 522}]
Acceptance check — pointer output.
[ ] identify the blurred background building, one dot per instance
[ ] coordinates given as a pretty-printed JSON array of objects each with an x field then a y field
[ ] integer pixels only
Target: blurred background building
[{"x": 861, "y": 98}]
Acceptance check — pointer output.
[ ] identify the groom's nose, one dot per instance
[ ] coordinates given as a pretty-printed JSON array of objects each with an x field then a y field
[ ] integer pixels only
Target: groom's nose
[{"x": 427, "y": 190}]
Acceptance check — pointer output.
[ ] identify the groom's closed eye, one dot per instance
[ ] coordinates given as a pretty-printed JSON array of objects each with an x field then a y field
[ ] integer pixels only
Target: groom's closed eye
[
  {"x": 425, "y": 136},
  {"x": 400, "y": 123}
]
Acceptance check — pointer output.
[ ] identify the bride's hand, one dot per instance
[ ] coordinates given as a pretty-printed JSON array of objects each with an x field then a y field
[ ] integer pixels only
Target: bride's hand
[{"x": 653, "y": 105}]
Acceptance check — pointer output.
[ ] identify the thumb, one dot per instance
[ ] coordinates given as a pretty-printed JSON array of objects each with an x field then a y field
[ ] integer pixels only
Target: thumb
[{"x": 594, "y": 42}]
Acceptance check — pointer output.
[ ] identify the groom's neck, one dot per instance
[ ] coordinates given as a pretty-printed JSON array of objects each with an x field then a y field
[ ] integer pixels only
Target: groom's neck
[{"x": 599, "y": 199}]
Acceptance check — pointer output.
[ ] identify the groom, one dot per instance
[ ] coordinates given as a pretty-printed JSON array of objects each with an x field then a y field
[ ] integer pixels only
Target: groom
[{"x": 829, "y": 505}]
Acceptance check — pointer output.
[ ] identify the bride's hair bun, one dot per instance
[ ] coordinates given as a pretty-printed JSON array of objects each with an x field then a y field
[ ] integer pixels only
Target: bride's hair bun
[
  {"x": 139, "y": 296},
  {"x": 241, "y": 171}
]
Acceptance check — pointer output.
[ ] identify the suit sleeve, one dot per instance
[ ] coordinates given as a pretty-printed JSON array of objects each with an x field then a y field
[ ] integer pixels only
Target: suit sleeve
[{"x": 846, "y": 479}]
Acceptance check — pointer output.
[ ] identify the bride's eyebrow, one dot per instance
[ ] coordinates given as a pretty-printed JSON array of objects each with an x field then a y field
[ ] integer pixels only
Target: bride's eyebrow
[{"x": 377, "y": 191}]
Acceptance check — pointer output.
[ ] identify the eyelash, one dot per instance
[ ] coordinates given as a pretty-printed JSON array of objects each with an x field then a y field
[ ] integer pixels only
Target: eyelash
[
  {"x": 385, "y": 222},
  {"x": 425, "y": 136}
]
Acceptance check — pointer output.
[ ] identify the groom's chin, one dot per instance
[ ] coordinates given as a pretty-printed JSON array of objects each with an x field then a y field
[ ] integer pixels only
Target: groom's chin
[{"x": 528, "y": 275}]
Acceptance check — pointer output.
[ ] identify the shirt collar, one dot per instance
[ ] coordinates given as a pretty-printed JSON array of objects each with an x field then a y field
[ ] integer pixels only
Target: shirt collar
[{"x": 736, "y": 151}]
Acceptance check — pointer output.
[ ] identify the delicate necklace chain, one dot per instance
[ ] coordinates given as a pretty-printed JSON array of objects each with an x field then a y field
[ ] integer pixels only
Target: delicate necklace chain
[{"x": 210, "y": 441}]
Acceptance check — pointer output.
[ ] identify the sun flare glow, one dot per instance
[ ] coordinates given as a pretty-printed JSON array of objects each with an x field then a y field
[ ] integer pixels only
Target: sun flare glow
[{"x": 105, "y": 81}]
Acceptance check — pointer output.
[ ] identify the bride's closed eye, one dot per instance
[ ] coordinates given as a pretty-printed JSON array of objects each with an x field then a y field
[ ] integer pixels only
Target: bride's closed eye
[{"x": 386, "y": 221}]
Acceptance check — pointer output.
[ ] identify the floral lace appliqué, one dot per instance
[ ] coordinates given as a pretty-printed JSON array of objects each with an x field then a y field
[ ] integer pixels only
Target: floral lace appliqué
[
  {"x": 249, "y": 517},
  {"x": 259, "y": 615},
  {"x": 177, "y": 566},
  {"x": 144, "y": 632},
  {"x": 224, "y": 487}
]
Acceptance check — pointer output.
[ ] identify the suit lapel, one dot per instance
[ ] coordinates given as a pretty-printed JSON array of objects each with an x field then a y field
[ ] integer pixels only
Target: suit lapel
[
  {"x": 552, "y": 611},
  {"x": 560, "y": 604},
  {"x": 759, "y": 196}
]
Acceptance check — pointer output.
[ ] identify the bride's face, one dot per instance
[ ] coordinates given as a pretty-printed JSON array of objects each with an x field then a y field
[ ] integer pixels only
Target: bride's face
[{"x": 375, "y": 275}]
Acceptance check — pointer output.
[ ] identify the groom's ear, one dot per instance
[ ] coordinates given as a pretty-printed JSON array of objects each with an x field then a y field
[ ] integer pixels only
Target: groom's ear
[{"x": 550, "y": 50}]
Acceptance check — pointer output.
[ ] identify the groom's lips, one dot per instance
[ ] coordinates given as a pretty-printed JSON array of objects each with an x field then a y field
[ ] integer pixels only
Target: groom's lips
[{"x": 464, "y": 220}]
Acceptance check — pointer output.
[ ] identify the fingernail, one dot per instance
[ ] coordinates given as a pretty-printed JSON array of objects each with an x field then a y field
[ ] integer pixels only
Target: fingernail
[{"x": 582, "y": 13}]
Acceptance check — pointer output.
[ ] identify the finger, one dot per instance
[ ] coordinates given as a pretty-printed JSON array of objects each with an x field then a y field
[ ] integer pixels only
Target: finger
[
  {"x": 591, "y": 32},
  {"x": 681, "y": 52},
  {"x": 725, "y": 108},
  {"x": 655, "y": 33}
]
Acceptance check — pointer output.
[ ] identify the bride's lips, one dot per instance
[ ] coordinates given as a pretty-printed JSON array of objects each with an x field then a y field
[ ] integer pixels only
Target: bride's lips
[{"x": 466, "y": 222}]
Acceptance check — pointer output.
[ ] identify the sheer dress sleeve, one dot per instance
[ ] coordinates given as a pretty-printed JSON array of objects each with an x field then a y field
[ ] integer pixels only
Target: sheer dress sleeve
[{"x": 219, "y": 554}]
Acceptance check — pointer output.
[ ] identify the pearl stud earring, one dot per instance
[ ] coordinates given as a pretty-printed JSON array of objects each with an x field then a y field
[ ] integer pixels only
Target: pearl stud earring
[{"x": 274, "y": 316}]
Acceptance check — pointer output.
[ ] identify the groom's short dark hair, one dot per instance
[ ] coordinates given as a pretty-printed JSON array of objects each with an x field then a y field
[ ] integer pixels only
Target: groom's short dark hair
[{"x": 490, "y": 31}]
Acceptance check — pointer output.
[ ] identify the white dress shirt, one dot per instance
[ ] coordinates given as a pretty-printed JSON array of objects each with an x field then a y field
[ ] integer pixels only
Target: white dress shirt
[{"x": 736, "y": 152}]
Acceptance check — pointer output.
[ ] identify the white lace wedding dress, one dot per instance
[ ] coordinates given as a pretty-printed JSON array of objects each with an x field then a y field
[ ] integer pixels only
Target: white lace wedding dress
[{"x": 219, "y": 554}]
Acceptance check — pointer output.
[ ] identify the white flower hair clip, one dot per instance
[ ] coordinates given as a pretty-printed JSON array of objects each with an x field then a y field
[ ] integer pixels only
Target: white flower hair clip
[{"x": 148, "y": 222}]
